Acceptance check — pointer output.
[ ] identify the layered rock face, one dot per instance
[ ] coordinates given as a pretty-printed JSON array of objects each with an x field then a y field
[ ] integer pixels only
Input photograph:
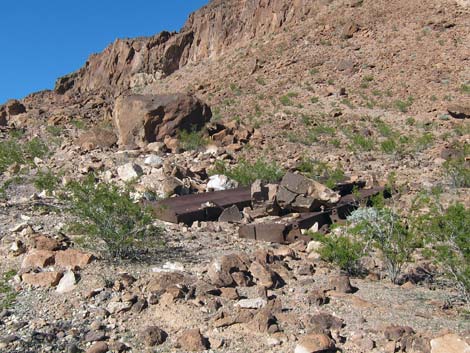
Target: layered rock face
[{"x": 207, "y": 33}]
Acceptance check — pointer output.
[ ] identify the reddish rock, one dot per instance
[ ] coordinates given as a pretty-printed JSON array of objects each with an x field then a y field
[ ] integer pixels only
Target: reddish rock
[
  {"x": 314, "y": 343},
  {"x": 192, "y": 341},
  {"x": 38, "y": 258},
  {"x": 341, "y": 284},
  {"x": 42, "y": 242},
  {"x": 153, "y": 336},
  {"x": 220, "y": 270},
  {"x": 72, "y": 259},
  {"x": 98, "y": 347},
  {"x": 142, "y": 119},
  {"x": 42, "y": 279},
  {"x": 97, "y": 138}
]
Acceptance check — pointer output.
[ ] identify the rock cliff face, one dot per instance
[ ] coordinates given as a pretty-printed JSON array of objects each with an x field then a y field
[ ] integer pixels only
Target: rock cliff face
[{"x": 207, "y": 33}]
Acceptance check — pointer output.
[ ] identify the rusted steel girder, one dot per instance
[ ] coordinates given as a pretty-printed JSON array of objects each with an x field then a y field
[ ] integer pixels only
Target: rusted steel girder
[{"x": 200, "y": 207}]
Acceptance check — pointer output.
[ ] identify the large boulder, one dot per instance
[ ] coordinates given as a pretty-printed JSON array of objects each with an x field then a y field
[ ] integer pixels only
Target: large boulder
[{"x": 142, "y": 119}]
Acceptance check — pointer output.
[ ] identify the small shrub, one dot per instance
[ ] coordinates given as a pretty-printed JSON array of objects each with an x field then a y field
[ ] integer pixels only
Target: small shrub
[
  {"x": 447, "y": 231},
  {"x": 389, "y": 146},
  {"x": 7, "y": 293},
  {"x": 246, "y": 172},
  {"x": 386, "y": 231},
  {"x": 465, "y": 89},
  {"x": 109, "y": 219},
  {"x": 46, "y": 180},
  {"x": 192, "y": 140},
  {"x": 13, "y": 150},
  {"x": 286, "y": 100},
  {"x": 424, "y": 141},
  {"x": 457, "y": 168},
  {"x": 403, "y": 106},
  {"x": 341, "y": 251},
  {"x": 361, "y": 142}
]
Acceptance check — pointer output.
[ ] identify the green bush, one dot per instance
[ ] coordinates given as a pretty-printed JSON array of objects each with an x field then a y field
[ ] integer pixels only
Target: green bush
[
  {"x": 46, "y": 180},
  {"x": 386, "y": 231},
  {"x": 340, "y": 250},
  {"x": 7, "y": 293},
  {"x": 192, "y": 140},
  {"x": 109, "y": 219},
  {"x": 247, "y": 172},
  {"x": 458, "y": 168},
  {"x": 13, "y": 150},
  {"x": 448, "y": 233}
]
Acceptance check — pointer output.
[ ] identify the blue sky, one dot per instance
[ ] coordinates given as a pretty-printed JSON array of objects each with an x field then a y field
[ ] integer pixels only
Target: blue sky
[{"x": 44, "y": 39}]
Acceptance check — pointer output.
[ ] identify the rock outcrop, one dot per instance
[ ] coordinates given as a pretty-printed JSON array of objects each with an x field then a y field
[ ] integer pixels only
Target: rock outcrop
[{"x": 208, "y": 32}]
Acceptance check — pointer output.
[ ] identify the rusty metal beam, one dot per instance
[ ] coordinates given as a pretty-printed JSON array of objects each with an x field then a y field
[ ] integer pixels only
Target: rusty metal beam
[{"x": 200, "y": 207}]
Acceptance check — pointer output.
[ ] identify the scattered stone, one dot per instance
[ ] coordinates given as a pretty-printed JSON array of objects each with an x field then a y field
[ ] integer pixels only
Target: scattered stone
[
  {"x": 94, "y": 336},
  {"x": 264, "y": 276},
  {"x": 98, "y": 347},
  {"x": 67, "y": 283},
  {"x": 256, "y": 303},
  {"x": 42, "y": 279},
  {"x": 38, "y": 258},
  {"x": 341, "y": 284},
  {"x": 396, "y": 333},
  {"x": 231, "y": 215},
  {"x": 314, "y": 343},
  {"x": 154, "y": 161},
  {"x": 154, "y": 335},
  {"x": 220, "y": 270},
  {"x": 193, "y": 341},
  {"x": 450, "y": 343},
  {"x": 42, "y": 242},
  {"x": 18, "y": 248},
  {"x": 229, "y": 293},
  {"x": 97, "y": 138},
  {"x": 129, "y": 171},
  {"x": 72, "y": 259},
  {"x": 317, "y": 297},
  {"x": 220, "y": 182}
]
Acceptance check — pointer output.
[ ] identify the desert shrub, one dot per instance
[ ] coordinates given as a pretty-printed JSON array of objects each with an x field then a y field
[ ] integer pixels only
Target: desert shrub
[
  {"x": 246, "y": 172},
  {"x": 46, "y": 180},
  {"x": 321, "y": 172},
  {"x": 109, "y": 219},
  {"x": 340, "y": 250},
  {"x": 383, "y": 229},
  {"x": 457, "y": 168},
  {"x": 192, "y": 140},
  {"x": 448, "y": 234},
  {"x": 7, "y": 293},
  {"x": 13, "y": 150},
  {"x": 403, "y": 106}
]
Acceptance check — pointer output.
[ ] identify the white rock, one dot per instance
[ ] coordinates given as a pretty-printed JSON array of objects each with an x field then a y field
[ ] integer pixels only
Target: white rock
[
  {"x": 313, "y": 246},
  {"x": 117, "y": 307},
  {"x": 170, "y": 267},
  {"x": 129, "y": 171},
  {"x": 211, "y": 149},
  {"x": 67, "y": 283},
  {"x": 256, "y": 303},
  {"x": 220, "y": 182},
  {"x": 154, "y": 160}
]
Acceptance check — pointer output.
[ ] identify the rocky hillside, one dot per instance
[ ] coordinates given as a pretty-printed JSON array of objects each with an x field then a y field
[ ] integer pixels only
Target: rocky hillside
[{"x": 299, "y": 113}]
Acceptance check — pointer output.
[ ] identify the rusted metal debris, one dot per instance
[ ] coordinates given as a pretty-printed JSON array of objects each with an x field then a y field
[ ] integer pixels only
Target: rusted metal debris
[
  {"x": 284, "y": 228},
  {"x": 200, "y": 207},
  {"x": 288, "y": 229}
]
